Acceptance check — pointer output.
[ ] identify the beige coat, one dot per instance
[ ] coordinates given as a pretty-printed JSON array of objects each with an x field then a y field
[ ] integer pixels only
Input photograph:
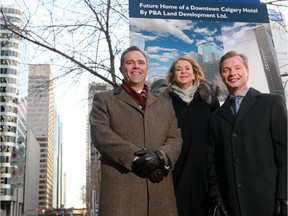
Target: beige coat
[{"x": 118, "y": 129}]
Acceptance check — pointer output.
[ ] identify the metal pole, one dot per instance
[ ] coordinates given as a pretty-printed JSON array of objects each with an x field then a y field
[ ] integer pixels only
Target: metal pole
[
  {"x": 93, "y": 202},
  {"x": 17, "y": 201}
]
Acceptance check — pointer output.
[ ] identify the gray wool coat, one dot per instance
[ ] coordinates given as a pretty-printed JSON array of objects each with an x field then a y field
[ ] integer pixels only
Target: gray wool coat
[{"x": 118, "y": 129}]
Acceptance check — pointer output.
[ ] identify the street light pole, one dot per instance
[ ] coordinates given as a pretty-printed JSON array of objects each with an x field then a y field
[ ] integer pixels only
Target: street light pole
[{"x": 93, "y": 202}]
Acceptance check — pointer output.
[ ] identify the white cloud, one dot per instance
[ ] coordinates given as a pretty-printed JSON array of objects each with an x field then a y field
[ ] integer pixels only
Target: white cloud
[
  {"x": 163, "y": 28},
  {"x": 162, "y": 54}
]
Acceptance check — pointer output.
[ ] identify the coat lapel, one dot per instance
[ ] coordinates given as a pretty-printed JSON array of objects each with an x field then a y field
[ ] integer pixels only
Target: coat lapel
[
  {"x": 248, "y": 101},
  {"x": 246, "y": 104},
  {"x": 124, "y": 96},
  {"x": 226, "y": 112},
  {"x": 150, "y": 98}
]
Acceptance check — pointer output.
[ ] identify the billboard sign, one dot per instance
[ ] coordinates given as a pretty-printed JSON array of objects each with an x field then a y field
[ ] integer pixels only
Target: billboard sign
[{"x": 204, "y": 31}]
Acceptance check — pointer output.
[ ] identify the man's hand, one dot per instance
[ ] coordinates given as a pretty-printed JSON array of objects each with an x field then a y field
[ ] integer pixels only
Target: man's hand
[
  {"x": 280, "y": 208},
  {"x": 150, "y": 164},
  {"x": 146, "y": 162},
  {"x": 157, "y": 176}
]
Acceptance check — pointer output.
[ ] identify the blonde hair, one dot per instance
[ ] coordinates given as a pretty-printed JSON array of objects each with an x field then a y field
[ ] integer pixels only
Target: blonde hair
[{"x": 197, "y": 70}]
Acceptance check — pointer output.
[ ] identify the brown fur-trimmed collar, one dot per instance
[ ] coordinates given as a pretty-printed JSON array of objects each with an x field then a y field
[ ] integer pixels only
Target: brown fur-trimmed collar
[{"x": 208, "y": 91}]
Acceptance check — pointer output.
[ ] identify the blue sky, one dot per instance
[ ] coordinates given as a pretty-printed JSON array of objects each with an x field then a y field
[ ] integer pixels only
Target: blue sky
[{"x": 165, "y": 40}]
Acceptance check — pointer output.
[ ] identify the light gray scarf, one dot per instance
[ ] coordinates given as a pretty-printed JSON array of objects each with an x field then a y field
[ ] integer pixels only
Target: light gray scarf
[{"x": 186, "y": 95}]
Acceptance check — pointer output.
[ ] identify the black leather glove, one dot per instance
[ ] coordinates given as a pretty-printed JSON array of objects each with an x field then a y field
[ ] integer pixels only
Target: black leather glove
[
  {"x": 146, "y": 163},
  {"x": 157, "y": 176},
  {"x": 280, "y": 208},
  {"x": 151, "y": 164},
  {"x": 219, "y": 209}
]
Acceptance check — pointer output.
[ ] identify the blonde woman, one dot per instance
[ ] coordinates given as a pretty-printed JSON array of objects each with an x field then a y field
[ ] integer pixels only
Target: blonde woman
[{"x": 194, "y": 100}]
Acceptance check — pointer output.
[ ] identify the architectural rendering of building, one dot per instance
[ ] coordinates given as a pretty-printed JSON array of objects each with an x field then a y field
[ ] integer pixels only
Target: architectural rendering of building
[
  {"x": 263, "y": 38},
  {"x": 210, "y": 51}
]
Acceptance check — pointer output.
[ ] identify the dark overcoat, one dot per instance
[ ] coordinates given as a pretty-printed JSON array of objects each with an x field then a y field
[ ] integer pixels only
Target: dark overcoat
[
  {"x": 118, "y": 129},
  {"x": 190, "y": 172},
  {"x": 250, "y": 154}
]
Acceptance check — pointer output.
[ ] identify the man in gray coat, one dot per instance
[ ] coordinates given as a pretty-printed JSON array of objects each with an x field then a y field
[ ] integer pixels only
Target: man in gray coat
[
  {"x": 139, "y": 141},
  {"x": 248, "y": 148}
]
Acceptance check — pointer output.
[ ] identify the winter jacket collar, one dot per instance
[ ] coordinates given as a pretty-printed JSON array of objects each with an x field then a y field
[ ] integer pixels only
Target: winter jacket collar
[{"x": 207, "y": 91}]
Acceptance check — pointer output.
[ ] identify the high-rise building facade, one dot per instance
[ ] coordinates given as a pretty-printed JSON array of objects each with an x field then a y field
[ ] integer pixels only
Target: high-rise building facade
[
  {"x": 58, "y": 164},
  {"x": 31, "y": 175},
  {"x": 92, "y": 156},
  {"x": 264, "y": 42},
  {"x": 9, "y": 68},
  {"x": 210, "y": 51},
  {"x": 40, "y": 120}
]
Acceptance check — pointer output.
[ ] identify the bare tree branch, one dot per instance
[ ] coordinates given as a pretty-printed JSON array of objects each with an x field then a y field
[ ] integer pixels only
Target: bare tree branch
[{"x": 85, "y": 46}]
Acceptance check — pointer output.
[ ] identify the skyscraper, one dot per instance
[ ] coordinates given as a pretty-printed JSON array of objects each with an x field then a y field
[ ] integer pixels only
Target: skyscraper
[
  {"x": 264, "y": 42},
  {"x": 58, "y": 164},
  {"x": 9, "y": 68},
  {"x": 40, "y": 119},
  {"x": 92, "y": 155},
  {"x": 31, "y": 174},
  {"x": 210, "y": 51}
]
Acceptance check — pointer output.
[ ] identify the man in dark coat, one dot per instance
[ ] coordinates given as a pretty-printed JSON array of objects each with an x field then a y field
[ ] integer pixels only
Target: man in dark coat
[
  {"x": 248, "y": 151},
  {"x": 139, "y": 141}
]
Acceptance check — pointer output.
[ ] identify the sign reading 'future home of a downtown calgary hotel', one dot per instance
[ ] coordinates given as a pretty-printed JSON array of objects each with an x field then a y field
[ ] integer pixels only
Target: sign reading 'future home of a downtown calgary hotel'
[{"x": 205, "y": 30}]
